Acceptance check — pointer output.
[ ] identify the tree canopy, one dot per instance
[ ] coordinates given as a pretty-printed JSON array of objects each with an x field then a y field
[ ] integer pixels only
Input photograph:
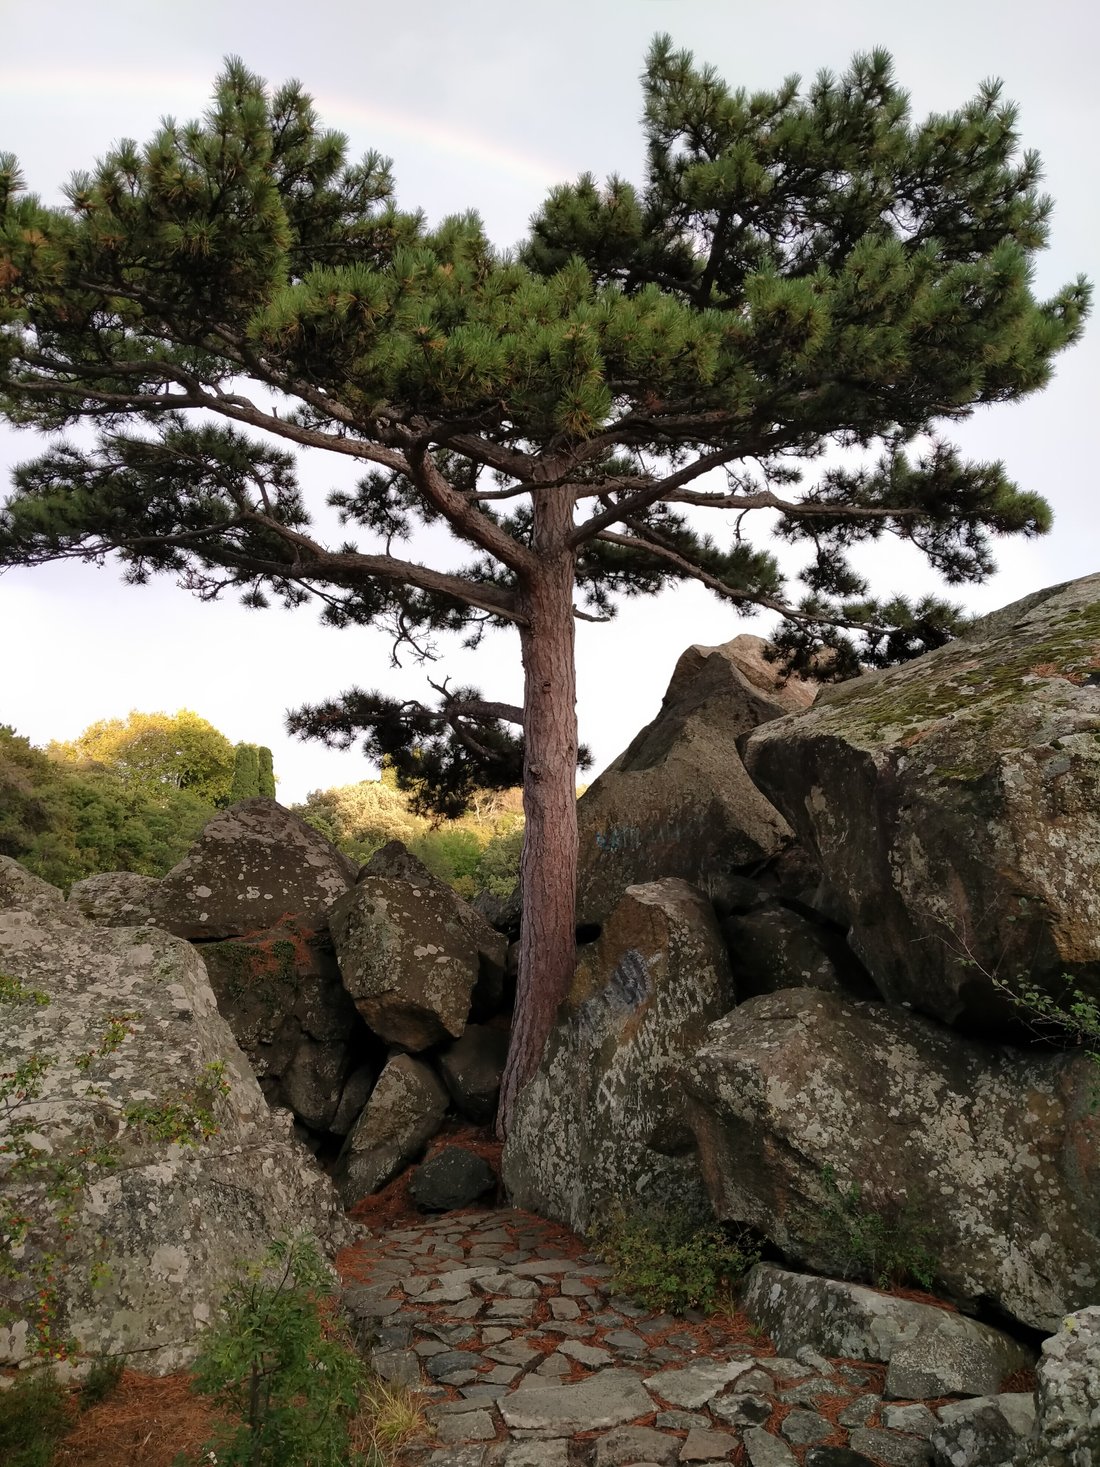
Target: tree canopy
[
  {"x": 797, "y": 271},
  {"x": 65, "y": 821},
  {"x": 152, "y": 751}
]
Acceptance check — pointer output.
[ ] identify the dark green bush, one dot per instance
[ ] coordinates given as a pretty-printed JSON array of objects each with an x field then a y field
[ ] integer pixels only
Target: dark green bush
[
  {"x": 34, "y": 1417},
  {"x": 671, "y": 1259}
]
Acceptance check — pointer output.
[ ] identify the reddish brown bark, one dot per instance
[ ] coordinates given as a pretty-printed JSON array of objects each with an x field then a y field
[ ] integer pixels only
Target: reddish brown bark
[{"x": 548, "y": 871}]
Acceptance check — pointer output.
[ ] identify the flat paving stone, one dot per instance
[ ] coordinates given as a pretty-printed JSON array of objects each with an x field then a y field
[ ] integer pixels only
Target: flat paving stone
[
  {"x": 694, "y": 1385},
  {"x": 470, "y": 1426},
  {"x": 765, "y": 1450},
  {"x": 708, "y": 1446},
  {"x": 805, "y": 1428},
  {"x": 895, "y": 1451},
  {"x": 609, "y": 1398},
  {"x": 630, "y": 1444}
]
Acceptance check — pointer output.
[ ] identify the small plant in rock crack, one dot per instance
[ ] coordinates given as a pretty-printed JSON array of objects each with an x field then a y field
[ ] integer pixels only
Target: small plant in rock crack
[
  {"x": 44, "y": 1173},
  {"x": 671, "y": 1259},
  {"x": 885, "y": 1246},
  {"x": 293, "y": 1383}
]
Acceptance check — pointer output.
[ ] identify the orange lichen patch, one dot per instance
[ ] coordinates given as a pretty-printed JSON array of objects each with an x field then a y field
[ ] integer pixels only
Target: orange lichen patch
[{"x": 148, "y": 1420}]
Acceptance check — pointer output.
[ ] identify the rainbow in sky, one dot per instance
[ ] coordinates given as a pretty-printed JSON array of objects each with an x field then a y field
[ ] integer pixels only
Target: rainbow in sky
[{"x": 184, "y": 97}]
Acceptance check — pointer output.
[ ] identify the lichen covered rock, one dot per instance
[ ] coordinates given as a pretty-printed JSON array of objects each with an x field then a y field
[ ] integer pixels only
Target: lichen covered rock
[
  {"x": 20, "y": 891},
  {"x": 115, "y": 898},
  {"x": 253, "y": 867},
  {"x": 953, "y": 1355},
  {"x": 603, "y": 1115},
  {"x": 411, "y": 953},
  {"x": 402, "y": 1115},
  {"x": 985, "y": 1158},
  {"x": 156, "y": 1239},
  {"x": 1067, "y": 1432},
  {"x": 954, "y": 804},
  {"x": 678, "y": 802}
]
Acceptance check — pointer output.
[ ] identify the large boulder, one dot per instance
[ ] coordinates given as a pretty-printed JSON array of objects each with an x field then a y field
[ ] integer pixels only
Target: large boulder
[
  {"x": 253, "y": 867},
  {"x": 115, "y": 898},
  {"x": 987, "y": 1159},
  {"x": 412, "y": 953},
  {"x": 1067, "y": 1429},
  {"x": 22, "y": 891},
  {"x": 283, "y": 997},
  {"x": 954, "y": 803},
  {"x": 772, "y": 947},
  {"x": 404, "y": 1112},
  {"x": 472, "y": 1068},
  {"x": 938, "y": 1352},
  {"x": 157, "y": 1238},
  {"x": 603, "y": 1115},
  {"x": 678, "y": 802}
]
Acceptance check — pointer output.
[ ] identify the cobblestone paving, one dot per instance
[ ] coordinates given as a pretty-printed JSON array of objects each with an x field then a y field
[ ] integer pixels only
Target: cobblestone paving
[{"x": 526, "y": 1359}]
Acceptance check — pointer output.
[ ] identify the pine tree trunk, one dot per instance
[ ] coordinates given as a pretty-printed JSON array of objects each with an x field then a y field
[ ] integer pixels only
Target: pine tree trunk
[{"x": 548, "y": 870}]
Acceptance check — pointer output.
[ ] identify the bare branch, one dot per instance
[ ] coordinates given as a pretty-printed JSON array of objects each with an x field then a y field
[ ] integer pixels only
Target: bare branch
[{"x": 621, "y": 511}]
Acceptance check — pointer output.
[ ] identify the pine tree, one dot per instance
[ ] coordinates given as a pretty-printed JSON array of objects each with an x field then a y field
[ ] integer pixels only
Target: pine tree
[
  {"x": 797, "y": 270},
  {"x": 246, "y": 774},
  {"x": 265, "y": 773}
]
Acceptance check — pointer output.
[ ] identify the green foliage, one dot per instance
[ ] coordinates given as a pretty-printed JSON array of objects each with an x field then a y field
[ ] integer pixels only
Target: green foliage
[
  {"x": 267, "y": 774},
  {"x": 101, "y": 1381},
  {"x": 479, "y": 851},
  {"x": 154, "y": 751},
  {"x": 1071, "y": 1015},
  {"x": 42, "y": 1188},
  {"x": 65, "y": 821},
  {"x": 670, "y": 1259},
  {"x": 34, "y": 1417},
  {"x": 271, "y": 1359},
  {"x": 246, "y": 774},
  {"x": 884, "y": 1246}
]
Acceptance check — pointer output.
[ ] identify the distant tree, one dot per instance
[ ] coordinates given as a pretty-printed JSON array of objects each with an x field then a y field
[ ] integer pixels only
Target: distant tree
[
  {"x": 266, "y": 773},
  {"x": 797, "y": 272},
  {"x": 361, "y": 817},
  {"x": 152, "y": 751},
  {"x": 246, "y": 773},
  {"x": 65, "y": 821}
]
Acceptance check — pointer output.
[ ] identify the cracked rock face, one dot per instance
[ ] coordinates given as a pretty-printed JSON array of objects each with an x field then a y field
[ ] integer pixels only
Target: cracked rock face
[
  {"x": 985, "y": 1158},
  {"x": 255, "y": 866},
  {"x": 678, "y": 802},
  {"x": 168, "y": 1228},
  {"x": 603, "y": 1115},
  {"x": 954, "y": 803}
]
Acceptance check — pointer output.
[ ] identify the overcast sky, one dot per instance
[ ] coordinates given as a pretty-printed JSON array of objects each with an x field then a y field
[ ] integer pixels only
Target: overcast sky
[{"x": 484, "y": 105}]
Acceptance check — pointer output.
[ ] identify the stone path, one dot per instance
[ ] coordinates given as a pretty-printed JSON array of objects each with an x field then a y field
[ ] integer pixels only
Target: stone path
[{"x": 526, "y": 1359}]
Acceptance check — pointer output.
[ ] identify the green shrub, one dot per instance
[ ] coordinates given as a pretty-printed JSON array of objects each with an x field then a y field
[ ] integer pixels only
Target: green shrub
[
  {"x": 101, "y": 1381},
  {"x": 671, "y": 1259},
  {"x": 884, "y": 1246},
  {"x": 293, "y": 1385},
  {"x": 34, "y": 1417}
]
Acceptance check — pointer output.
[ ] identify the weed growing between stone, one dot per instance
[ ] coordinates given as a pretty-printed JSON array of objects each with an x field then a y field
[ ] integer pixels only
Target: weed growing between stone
[
  {"x": 299, "y": 1394},
  {"x": 44, "y": 1182},
  {"x": 670, "y": 1259}
]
